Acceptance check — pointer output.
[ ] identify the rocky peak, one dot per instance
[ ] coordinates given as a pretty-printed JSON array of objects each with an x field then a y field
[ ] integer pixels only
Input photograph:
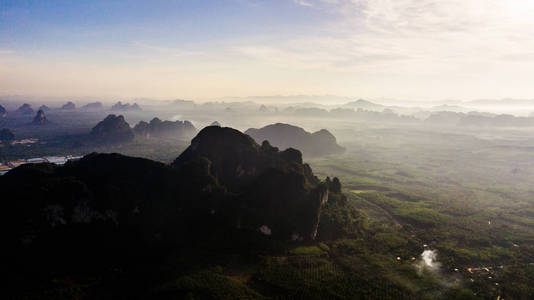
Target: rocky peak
[{"x": 234, "y": 154}]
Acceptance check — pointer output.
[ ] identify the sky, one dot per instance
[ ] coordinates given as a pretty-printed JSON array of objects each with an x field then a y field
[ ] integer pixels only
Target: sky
[{"x": 422, "y": 50}]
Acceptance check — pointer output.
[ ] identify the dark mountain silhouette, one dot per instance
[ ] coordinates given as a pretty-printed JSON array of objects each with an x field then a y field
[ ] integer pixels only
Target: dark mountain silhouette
[
  {"x": 285, "y": 136},
  {"x": 112, "y": 212},
  {"x": 112, "y": 130},
  {"x": 125, "y": 107},
  {"x": 165, "y": 129},
  {"x": 44, "y": 108},
  {"x": 93, "y": 106},
  {"x": 223, "y": 178},
  {"x": 69, "y": 106},
  {"x": 25, "y": 109},
  {"x": 3, "y": 112},
  {"x": 40, "y": 118}
]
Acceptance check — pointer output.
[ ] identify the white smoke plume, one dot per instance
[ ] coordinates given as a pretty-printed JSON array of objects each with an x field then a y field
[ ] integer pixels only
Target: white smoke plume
[{"x": 428, "y": 262}]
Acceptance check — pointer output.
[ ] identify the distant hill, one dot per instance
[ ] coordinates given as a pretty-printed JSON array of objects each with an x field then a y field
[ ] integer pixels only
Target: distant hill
[
  {"x": 364, "y": 104},
  {"x": 125, "y": 107},
  {"x": 165, "y": 129},
  {"x": 69, "y": 106},
  {"x": 94, "y": 106},
  {"x": 112, "y": 130},
  {"x": 310, "y": 112},
  {"x": 285, "y": 136},
  {"x": 44, "y": 108},
  {"x": 25, "y": 109},
  {"x": 40, "y": 118},
  {"x": 3, "y": 112}
]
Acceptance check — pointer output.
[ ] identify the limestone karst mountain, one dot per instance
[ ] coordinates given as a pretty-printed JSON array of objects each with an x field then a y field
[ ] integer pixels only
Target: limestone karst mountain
[
  {"x": 40, "y": 118},
  {"x": 112, "y": 130},
  {"x": 285, "y": 136},
  {"x": 69, "y": 106},
  {"x": 24, "y": 109},
  {"x": 165, "y": 129}
]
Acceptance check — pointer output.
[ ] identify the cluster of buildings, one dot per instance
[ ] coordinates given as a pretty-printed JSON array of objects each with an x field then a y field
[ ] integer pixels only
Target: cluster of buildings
[{"x": 57, "y": 160}]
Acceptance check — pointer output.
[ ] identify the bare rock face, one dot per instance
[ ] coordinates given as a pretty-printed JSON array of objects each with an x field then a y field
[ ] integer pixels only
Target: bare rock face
[{"x": 40, "y": 118}]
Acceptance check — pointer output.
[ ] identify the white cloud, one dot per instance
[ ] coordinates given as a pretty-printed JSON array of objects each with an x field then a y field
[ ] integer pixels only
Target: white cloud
[
  {"x": 431, "y": 46},
  {"x": 303, "y": 3}
]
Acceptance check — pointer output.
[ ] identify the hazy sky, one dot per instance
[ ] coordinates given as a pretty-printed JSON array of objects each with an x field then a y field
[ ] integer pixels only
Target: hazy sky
[{"x": 408, "y": 49}]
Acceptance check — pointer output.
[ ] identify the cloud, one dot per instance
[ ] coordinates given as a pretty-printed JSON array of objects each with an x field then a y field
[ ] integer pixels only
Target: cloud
[
  {"x": 368, "y": 32},
  {"x": 303, "y": 3}
]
